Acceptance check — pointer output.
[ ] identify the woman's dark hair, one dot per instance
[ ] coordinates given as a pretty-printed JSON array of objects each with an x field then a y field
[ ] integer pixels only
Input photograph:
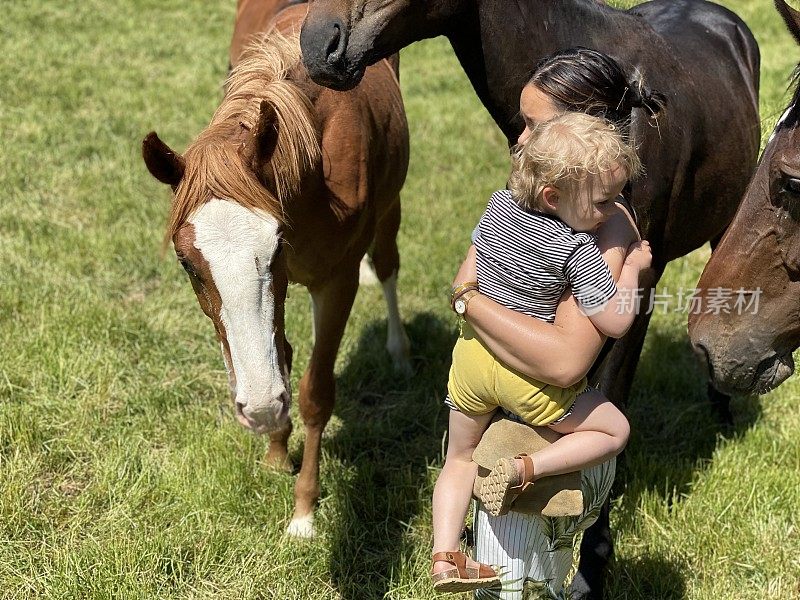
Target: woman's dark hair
[{"x": 583, "y": 80}]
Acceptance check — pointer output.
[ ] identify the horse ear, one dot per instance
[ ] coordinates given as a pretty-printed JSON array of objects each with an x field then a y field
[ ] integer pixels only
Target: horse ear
[
  {"x": 791, "y": 17},
  {"x": 163, "y": 163},
  {"x": 258, "y": 150}
]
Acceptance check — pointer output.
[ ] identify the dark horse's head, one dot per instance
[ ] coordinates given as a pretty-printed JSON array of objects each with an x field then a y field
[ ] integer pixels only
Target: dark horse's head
[
  {"x": 756, "y": 269},
  {"x": 341, "y": 38}
]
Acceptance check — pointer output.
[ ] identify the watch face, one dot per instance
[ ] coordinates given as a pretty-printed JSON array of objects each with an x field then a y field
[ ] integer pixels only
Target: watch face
[{"x": 460, "y": 306}]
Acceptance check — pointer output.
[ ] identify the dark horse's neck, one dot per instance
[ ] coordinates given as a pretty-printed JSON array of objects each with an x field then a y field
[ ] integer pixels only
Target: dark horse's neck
[{"x": 515, "y": 35}]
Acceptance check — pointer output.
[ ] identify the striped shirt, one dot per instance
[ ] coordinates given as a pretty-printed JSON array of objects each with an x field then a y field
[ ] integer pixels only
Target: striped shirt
[{"x": 526, "y": 260}]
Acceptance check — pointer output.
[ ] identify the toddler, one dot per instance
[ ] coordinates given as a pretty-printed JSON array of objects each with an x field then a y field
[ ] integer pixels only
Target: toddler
[{"x": 533, "y": 241}]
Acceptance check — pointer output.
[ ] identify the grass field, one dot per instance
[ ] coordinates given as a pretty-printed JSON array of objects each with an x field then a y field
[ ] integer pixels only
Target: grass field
[{"x": 122, "y": 471}]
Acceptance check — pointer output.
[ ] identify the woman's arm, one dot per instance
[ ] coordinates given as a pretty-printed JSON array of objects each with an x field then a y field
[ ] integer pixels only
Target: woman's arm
[{"x": 561, "y": 353}]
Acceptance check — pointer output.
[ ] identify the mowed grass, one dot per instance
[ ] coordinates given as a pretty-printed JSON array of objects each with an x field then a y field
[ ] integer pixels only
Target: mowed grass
[{"x": 122, "y": 472}]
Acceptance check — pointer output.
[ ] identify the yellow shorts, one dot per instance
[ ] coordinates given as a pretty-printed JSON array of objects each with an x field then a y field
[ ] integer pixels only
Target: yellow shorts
[{"x": 479, "y": 383}]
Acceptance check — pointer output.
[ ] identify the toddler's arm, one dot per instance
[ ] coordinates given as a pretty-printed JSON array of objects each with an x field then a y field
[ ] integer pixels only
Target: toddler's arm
[{"x": 615, "y": 317}]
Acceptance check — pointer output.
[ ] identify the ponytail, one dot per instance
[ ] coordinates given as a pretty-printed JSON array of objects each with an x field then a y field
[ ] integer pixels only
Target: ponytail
[
  {"x": 642, "y": 97},
  {"x": 583, "y": 80}
]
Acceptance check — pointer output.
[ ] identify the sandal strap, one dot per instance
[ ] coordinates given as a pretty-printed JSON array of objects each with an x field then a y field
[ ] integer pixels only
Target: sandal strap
[
  {"x": 527, "y": 464},
  {"x": 465, "y": 567},
  {"x": 527, "y": 474}
]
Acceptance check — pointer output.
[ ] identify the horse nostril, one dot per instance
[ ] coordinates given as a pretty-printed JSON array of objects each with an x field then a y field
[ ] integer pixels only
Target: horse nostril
[{"x": 335, "y": 48}]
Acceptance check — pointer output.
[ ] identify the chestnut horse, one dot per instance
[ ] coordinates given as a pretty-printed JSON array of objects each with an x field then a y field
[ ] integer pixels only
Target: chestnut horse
[
  {"x": 701, "y": 55},
  {"x": 253, "y": 17},
  {"x": 746, "y": 338},
  {"x": 290, "y": 182}
]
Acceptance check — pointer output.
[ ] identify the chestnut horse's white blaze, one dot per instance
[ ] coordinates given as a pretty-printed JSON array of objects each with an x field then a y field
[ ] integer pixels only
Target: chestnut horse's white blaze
[{"x": 239, "y": 245}]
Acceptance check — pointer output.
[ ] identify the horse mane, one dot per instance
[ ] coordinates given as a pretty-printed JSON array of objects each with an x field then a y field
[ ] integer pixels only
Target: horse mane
[{"x": 214, "y": 165}]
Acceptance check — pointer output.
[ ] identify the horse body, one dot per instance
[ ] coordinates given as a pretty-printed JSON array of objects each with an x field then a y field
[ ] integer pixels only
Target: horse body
[
  {"x": 289, "y": 183},
  {"x": 700, "y": 55},
  {"x": 252, "y": 18},
  {"x": 746, "y": 342}
]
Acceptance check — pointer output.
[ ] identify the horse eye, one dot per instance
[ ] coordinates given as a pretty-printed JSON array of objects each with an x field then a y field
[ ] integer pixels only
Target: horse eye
[
  {"x": 792, "y": 185},
  {"x": 278, "y": 251}
]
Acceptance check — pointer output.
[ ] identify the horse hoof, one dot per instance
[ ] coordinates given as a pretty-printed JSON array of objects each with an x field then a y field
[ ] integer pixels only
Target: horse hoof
[
  {"x": 302, "y": 527},
  {"x": 403, "y": 367},
  {"x": 282, "y": 464}
]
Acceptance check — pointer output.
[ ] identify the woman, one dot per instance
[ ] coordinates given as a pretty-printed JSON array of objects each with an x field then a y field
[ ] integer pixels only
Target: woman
[{"x": 581, "y": 80}]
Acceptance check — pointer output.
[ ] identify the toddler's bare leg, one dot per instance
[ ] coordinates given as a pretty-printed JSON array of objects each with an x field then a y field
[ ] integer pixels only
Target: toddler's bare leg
[
  {"x": 597, "y": 432},
  {"x": 453, "y": 489}
]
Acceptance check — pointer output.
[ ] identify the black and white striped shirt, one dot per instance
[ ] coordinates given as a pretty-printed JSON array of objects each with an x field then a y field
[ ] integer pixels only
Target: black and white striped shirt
[{"x": 526, "y": 260}]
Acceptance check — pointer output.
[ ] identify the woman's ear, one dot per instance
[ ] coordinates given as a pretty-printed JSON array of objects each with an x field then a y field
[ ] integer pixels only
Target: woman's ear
[{"x": 550, "y": 197}]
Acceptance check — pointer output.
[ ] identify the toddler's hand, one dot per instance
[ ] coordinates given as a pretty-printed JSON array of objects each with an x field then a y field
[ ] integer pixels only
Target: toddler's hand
[{"x": 639, "y": 255}]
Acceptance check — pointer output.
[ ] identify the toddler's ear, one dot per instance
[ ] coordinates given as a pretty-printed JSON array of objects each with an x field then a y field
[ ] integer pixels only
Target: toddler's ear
[{"x": 550, "y": 197}]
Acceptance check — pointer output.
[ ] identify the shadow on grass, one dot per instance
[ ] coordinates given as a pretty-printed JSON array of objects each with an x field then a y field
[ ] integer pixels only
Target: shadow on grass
[
  {"x": 391, "y": 431},
  {"x": 648, "y": 578},
  {"x": 675, "y": 429}
]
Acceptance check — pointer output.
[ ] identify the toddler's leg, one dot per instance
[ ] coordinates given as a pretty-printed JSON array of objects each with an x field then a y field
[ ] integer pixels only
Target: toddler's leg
[
  {"x": 453, "y": 489},
  {"x": 597, "y": 432}
]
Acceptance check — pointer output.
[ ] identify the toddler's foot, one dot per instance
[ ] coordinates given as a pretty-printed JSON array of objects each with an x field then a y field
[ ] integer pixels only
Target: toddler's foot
[
  {"x": 457, "y": 572},
  {"x": 507, "y": 480}
]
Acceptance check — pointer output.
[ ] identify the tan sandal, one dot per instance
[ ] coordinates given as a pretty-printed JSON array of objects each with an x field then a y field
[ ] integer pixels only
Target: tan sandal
[
  {"x": 466, "y": 574},
  {"x": 503, "y": 485}
]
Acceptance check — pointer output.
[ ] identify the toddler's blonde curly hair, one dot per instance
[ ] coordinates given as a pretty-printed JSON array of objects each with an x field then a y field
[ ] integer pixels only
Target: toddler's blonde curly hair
[{"x": 564, "y": 152}]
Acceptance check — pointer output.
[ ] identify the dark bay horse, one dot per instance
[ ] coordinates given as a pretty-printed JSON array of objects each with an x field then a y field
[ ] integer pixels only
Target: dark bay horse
[
  {"x": 290, "y": 182},
  {"x": 746, "y": 338},
  {"x": 700, "y": 55}
]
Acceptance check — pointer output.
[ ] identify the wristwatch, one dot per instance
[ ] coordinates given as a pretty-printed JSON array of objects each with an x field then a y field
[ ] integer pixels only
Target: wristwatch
[
  {"x": 460, "y": 303},
  {"x": 458, "y": 290}
]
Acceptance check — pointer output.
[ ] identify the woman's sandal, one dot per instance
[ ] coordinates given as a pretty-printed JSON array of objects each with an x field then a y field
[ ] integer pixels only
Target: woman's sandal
[
  {"x": 466, "y": 574},
  {"x": 503, "y": 485}
]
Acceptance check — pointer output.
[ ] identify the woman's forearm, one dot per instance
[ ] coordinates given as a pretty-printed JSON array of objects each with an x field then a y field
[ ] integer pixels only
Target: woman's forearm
[
  {"x": 538, "y": 349},
  {"x": 560, "y": 353}
]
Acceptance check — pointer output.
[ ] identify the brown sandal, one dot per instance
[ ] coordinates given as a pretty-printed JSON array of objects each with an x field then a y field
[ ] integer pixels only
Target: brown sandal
[
  {"x": 503, "y": 485},
  {"x": 466, "y": 574}
]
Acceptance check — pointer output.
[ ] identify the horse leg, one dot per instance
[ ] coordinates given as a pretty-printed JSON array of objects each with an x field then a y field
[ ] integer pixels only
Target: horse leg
[
  {"x": 332, "y": 306},
  {"x": 277, "y": 455},
  {"x": 616, "y": 379},
  {"x": 386, "y": 260}
]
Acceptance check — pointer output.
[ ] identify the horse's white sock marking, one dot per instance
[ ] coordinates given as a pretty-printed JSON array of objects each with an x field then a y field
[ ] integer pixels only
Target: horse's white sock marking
[
  {"x": 302, "y": 527},
  {"x": 396, "y": 340},
  {"x": 366, "y": 272}
]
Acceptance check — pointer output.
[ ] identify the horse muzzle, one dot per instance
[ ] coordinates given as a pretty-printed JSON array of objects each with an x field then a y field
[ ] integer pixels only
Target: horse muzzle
[
  {"x": 738, "y": 377},
  {"x": 264, "y": 416},
  {"x": 324, "y": 44},
  {"x": 772, "y": 372}
]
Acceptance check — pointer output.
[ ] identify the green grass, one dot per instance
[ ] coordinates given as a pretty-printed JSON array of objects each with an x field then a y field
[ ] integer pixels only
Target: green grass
[{"x": 122, "y": 472}]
